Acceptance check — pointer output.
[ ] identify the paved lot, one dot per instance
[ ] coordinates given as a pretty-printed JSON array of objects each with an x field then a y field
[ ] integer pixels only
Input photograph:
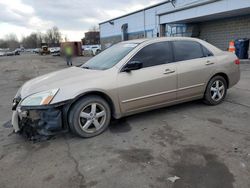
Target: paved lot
[{"x": 206, "y": 147}]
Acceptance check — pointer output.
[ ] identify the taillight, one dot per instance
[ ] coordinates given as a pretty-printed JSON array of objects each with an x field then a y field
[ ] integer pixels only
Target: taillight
[{"x": 237, "y": 61}]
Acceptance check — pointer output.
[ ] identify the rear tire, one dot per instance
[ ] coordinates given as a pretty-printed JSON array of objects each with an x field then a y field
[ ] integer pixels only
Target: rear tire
[
  {"x": 90, "y": 116},
  {"x": 97, "y": 52},
  {"x": 216, "y": 91}
]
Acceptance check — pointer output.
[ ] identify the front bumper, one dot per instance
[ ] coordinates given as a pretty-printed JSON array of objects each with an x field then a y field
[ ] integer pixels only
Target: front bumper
[{"x": 33, "y": 122}]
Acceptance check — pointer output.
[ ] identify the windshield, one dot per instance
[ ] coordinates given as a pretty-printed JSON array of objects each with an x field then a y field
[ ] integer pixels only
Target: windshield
[{"x": 109, "y": 57}]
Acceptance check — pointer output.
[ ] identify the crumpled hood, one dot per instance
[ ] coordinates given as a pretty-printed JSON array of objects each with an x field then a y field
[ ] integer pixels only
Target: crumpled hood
[{"x": 59, "y": 79}]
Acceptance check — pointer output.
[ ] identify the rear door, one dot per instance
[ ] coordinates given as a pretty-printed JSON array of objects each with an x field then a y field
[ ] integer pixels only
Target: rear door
[
  {"x": 154, "y": 84},
  {"x": 195, "y": 65}
]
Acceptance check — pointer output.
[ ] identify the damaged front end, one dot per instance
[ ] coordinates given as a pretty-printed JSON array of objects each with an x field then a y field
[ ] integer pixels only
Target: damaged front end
[{"x": 39, "y": 123}]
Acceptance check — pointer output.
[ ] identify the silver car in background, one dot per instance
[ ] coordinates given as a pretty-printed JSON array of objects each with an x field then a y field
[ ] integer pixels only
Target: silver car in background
[{"x": 128, "y": 78}]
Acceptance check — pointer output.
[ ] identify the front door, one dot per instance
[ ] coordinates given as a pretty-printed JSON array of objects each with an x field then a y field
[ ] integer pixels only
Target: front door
[{"x": 154, "y": 84}]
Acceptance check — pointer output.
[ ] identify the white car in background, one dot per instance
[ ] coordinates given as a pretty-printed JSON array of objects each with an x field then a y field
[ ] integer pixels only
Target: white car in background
[
  {"x": 94, "y": 49},
  {"x": 36, "y": 50},
  {"x": 2, "y": 53},
  {"x": 55, "y": 51}
]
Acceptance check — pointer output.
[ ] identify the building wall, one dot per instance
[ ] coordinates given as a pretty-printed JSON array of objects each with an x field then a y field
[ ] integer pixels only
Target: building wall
[
  {"x": 135, "y": 24},
  {"x": 109, "y": 41},
  {"x": 149, "y": 22},
  {"x": 221, "y": 32},
  {"x": 207, "y": 8},
  {"x": 149, "y": 19}
]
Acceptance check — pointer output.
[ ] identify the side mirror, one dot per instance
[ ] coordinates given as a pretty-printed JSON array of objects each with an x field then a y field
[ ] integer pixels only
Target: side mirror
[{"x": 132, "y": 65}]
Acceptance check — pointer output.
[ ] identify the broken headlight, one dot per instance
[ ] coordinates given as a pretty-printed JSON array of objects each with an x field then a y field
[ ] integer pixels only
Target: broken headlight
[
  {"x": 41, "y": 98},
  {"x": 16, "y": 99}
]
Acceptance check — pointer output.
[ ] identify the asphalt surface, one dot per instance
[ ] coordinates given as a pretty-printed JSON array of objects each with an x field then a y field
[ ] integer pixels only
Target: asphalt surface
[{"x": 200, "y": 146}]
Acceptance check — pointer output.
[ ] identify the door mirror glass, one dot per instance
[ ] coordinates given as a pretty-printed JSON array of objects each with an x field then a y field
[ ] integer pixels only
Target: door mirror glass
[{"x": 132, "y": 65}]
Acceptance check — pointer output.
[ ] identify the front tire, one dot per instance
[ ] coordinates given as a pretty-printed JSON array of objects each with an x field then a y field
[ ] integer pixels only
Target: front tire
[
  {"x": 90, "y": 116},
  {"x": 216, "y": 91}
]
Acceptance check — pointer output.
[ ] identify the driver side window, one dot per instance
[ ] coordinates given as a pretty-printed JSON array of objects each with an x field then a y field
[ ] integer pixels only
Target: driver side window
[{"x": 154, "y": 54}]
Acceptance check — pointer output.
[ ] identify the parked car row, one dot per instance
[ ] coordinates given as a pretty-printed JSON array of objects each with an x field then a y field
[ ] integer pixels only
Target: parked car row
[
  {"x": 10, "y": 53},
  {"x": 54, "y": 51}
]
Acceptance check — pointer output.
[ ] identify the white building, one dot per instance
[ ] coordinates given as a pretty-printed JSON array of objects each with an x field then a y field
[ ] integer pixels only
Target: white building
[{"x": 217, "y": 21}]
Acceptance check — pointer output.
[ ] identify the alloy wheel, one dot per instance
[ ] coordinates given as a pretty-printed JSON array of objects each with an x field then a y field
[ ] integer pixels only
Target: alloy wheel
[
  {"x": 92, "y": 117},
  {"x": 217, "y": 90}
]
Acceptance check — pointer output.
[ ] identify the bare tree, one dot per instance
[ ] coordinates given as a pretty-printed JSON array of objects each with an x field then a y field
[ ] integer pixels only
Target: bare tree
[
  {"x": 53, "y": 36},
  {"x": 12, "y": 41},
  {"x": 66, "y": 38},
  {"x": 3, "y": 44},
  {"x": 94, "y": 28},
  {"x": 39, "y": 39},
  {"x": 30, "y": 41},
  {"x": 33, "y": 40}
]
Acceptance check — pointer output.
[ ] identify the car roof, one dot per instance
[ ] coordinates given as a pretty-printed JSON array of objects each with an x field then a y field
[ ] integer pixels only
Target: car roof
[
  {"x": 138, "y": 41},
  {"x": 214, "y": 49},
  {"x": 161, "y": 39}
]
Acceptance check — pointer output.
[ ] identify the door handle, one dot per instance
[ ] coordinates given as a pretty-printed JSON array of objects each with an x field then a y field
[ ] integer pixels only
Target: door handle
[
  {"x": 209, "y": 63},
  {"x": 169, "y": 71}
]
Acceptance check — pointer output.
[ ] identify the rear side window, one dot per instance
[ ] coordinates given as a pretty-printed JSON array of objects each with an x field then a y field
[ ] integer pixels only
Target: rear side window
[
  {"x": 186, "y": 50},
  {"x": 206, "y": 52},
  {"x": 154, "y": 54}
]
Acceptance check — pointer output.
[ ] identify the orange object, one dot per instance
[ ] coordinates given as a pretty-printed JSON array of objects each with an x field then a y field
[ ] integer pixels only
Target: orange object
[
  {"x": 47, "y": 100},
  {"x": 231, "y": 47}
]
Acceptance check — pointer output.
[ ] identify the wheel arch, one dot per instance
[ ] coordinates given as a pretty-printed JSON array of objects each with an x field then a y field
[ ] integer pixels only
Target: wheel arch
[
  {"x": 222, "y": 74},
  {"x": 101, "y": 94}
]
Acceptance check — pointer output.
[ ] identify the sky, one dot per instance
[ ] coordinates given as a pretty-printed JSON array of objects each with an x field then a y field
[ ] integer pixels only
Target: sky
[{"x": 72, "y": 17}]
